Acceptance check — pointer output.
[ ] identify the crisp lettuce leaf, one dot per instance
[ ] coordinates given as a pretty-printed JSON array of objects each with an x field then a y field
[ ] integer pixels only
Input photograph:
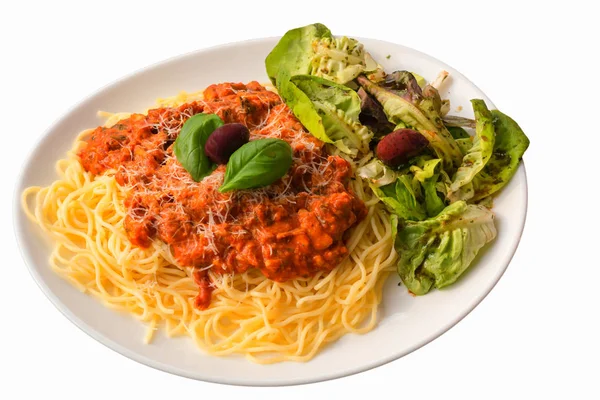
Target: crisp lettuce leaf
[
  {"x": 309, "y": 67},
  {"x": 324, "y": 91},
  {"x": 301, "y": 105},
  {"x": 294, "y": 52},
  {"x": 376, "y": 173},
  {"x": 399, "y": 110},
  {"x": 465, "y": 193},
  {"x": 435, "y": 252},
  {"x": 400, "y": 199},
  {"x": 427, "y": 173},
  {"x": 430, "y": 104},
  {"x": 341, "y": 60},
  {"x": 479, "y": 153},
  {"x": 312, "y": 50},
  {"x": 433, "y": 203},
  {"x": 510, "y": 145},
  {"x": 348, "y": 135},
  {"x": 394, "y": 221},
  {"x": 410, "y": 193},
  {"x": 464, "y": 144},
  {"x": 425, "y": 168},
  {"x": 458, "y": 132},
  {"x": 487, "y": 202},
  {"x": 328, "y": 110}
]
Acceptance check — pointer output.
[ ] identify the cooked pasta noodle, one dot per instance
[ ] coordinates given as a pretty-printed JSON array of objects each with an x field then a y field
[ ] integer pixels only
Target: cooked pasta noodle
[{"x": 249, "y": 315}]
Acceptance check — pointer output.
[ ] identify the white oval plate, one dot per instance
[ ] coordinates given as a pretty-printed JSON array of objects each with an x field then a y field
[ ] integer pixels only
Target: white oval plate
[{"x": 406, "y": 323}]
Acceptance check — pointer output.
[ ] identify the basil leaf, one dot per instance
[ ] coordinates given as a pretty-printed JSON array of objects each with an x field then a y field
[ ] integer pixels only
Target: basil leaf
[
  {"x": 189, "y": 145},
  {"x": 256, "y": 164}
]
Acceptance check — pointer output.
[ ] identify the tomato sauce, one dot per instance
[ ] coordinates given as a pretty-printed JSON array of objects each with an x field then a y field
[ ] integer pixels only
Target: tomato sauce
[{"x": 292, "y": 228}]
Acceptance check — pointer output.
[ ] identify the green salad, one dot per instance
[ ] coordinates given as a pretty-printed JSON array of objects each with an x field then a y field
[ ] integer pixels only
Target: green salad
[{"x": 435, "y": 173}]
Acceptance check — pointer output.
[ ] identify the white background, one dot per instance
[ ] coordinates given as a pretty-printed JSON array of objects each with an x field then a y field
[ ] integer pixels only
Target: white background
[{"x": 535, "y": 336}]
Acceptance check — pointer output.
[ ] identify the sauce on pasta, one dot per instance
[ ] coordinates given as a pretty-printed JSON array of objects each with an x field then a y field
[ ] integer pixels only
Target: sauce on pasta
[{"x": 293, "y": 228}]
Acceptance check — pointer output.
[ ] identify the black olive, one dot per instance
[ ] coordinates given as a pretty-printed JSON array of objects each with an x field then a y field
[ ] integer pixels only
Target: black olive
[
  {"x": 224, "y": 141},
  {"x": 399, "y": 146}
]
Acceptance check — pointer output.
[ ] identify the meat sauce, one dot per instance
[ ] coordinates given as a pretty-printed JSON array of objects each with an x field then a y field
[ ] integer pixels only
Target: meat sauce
[{"x": 292, "y": 228}]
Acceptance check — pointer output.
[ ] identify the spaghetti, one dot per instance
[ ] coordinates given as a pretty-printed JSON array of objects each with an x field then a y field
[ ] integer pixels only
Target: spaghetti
[{"x": 250, "y": 315}]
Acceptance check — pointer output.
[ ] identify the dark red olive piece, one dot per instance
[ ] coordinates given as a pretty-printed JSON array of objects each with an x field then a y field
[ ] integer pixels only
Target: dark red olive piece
[
  {"x": 399, "y": 146},
  {"x": 224, "y": 141}
]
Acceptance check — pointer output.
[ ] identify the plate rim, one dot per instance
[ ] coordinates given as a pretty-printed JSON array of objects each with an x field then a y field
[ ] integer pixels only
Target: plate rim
[{"x": 18, "y": 218}]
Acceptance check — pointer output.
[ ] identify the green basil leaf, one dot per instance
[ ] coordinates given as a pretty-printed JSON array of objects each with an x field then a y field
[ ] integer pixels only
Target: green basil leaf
[
  {"x": 189, "y": 146},
  {"x": 256, "y": 164}
]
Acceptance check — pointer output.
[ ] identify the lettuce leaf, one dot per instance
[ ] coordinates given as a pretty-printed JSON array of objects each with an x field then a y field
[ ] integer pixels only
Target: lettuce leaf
[
  {"x": 328, "y": 110},
  {"x": 294, "y": 52},
  {"x": 320, "y": 90},
  {"x": 341, "y": 60},
  {"x": 479, "y": 153},
  {"x": 457, "y": 132},
  {"x": 400, "y": 198},
  {"x": 376, "y": 173},
  {"x": 413, "y": 193},
  {"x": 427, "y": 173},
  {"x": 464, "y": 144},
  {"x": 347, "y": 134},
  {"x": 301, "y": 106},
  {"x": 312, "y": 50},
  {"x": 509, "y": 147},
  {"x": 435, "y": 252},
  {"x": 399, "y": 110}
]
